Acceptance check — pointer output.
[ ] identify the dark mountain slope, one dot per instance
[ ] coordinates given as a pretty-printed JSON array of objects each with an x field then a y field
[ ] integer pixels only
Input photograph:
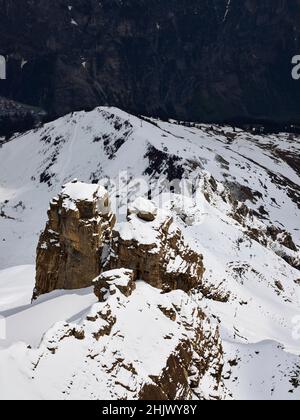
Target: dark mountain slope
[{"x": 209, "y": 60}]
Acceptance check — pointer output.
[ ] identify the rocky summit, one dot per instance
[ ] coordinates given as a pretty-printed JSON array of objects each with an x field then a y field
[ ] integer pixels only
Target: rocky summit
[
  {"x": 196, "y": 60},
  {"x": 80, "y": 242},
  {"x": 70, "y": 249}
]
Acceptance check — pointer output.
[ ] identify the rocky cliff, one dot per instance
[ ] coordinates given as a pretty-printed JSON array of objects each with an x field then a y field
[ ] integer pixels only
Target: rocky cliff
[
  {"x": 79, "y": 243},
  {"x": 184, "y": 349},
  {"x": 70, "y": 249},
  {"x": 152, "y": 246},
  {"x": 209, "y": 60}
]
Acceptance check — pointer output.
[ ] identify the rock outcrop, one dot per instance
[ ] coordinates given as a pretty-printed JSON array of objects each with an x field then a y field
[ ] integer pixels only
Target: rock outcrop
[
  {"x": 186, "y": 367},
  {"x": 80, "y": 242},
  {"x": 143, "y": 209},
  {"x": 149, "y": 345},
  {"x": 71, "y": 247},
  {"x": 151, "y": 245},
  {"x": 107, "y": 283}
]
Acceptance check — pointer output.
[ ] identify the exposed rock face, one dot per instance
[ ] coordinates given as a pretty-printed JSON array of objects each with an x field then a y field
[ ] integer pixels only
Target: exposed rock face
[
  {"x": 151, "y": 245},
  {"x": 187, "y": 366},
  {"x": 70, "y": 249},
  {"x": 107, "y": 283},
  {"x": 254, "y": 222},
  {"x": 193, "y": 60},
  {"x": 79, "y": 243}
]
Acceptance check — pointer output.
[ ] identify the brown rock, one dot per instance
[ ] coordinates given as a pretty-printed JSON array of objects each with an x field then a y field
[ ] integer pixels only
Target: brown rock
[
  {"x": 122, "y": 279},
  {"x": 125, "y": 347},
  {"x": 282, "y": 237},
  {"x": 188, "y": 365},
  {"x": 144, "y": 209},
  {"x": 79, "y": 243},
  {"x": 70, "y": 249},
  {"x": 156, "y": 252},
  {"x": 168, "y": 312}
]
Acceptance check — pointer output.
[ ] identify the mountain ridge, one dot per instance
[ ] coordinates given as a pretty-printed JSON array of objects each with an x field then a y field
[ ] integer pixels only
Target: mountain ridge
[{"x": 235, "y": 197}]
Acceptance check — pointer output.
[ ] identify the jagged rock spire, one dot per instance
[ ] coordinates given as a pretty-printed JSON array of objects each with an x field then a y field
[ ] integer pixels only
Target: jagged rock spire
[{"x": 70, "y": 249}]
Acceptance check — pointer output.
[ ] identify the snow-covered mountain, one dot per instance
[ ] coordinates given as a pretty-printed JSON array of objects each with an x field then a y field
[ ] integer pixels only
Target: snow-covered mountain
[{"x": 235, "y": 196}]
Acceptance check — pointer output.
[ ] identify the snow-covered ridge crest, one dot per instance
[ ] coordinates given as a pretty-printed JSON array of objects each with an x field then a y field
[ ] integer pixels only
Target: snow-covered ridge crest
[
  {"x": 75, "y": 192},
  {"x": 79, "y": 191},
  {"x": 109, "y": 351}
]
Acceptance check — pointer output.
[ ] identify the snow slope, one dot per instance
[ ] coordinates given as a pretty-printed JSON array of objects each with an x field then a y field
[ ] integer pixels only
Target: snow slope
[
  {"x": 16, "y": 287},
  {"x": 112, "y": 367},
  {"x": 255, "y": 274}
]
